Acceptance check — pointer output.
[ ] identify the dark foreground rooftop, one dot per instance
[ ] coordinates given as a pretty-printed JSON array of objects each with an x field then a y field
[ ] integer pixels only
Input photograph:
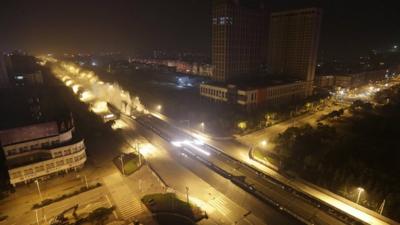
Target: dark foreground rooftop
[{"x": 27, "y": 106}]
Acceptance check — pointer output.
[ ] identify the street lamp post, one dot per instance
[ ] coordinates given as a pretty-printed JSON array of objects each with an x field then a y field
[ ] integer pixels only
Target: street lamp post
[
  {"x": 202, "y": 126},
  {"x": 360, "y": 190},
  {"x": 40, "y": 193},
  {"x": 137, "y": 146},
  {"x": 122, "y": 164},
  {"x": 187, "y": 195},
  {"x": 87, "y": 185}
]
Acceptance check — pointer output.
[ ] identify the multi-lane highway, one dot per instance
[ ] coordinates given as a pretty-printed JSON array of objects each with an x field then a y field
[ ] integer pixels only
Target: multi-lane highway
[
  {"x": 266, "y": 189},
  {"x": 233, "y": 204}
]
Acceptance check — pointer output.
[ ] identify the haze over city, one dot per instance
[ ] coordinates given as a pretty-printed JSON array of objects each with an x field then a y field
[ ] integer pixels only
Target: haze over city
[{"x": 349, "y": 27}]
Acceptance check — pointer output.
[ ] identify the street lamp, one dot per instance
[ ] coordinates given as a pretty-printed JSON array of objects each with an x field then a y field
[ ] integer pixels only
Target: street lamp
[
  {"x": 84, "y": 179},
  {"x": 360, "y": 190},
  {"x": 187, "y": 194},
  {"x": 159, "y": 107},
  {"x": 86, "y": 183},
  {"x": 122, "y": 164},
  {"x": 40, "y": 193},
  {"x": 202, "y": 126},
  {"x": 263, "y": 143}
]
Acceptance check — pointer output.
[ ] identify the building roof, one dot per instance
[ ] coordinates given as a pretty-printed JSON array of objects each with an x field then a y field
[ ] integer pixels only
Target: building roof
[
  {"x": 256, "y": 83},
  {"x": 296, "y": 11}
]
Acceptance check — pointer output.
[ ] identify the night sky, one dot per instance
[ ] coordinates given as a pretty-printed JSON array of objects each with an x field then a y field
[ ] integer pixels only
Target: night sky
[{"x": 350, "y": 27}]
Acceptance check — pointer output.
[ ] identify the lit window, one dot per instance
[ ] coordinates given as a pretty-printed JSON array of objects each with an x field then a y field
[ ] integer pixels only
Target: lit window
[
  {"x": 225, "y": 20},
  {"x": 215, "y": 21}
]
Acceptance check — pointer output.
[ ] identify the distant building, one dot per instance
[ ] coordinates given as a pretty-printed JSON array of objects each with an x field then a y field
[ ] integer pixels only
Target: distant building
[
  {"x": 4, "y": 79},
  {"x": 324, "y": 81},
  {"x": 238, "y": 38},
  {"x": 352, "y": 79},
  {"x": 293, "y": 43},
  {"x": 192, "y": 68},
  {"x": 28, "y": 79},
  {"x": 254, "y": 95},
  {"x": 22, "y": 70},
  {"x": 36, "y": 143}
]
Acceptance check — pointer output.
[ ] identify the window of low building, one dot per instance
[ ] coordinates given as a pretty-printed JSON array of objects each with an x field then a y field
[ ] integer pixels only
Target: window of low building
[
  {"x": 28, "y": 172},
  {"x": 50, "y": 166},
  {"x": 67, "y": 152},
  {"x": 58, "y": 154},
  {"x": 39, "y": 168},
  {"x": 16, "y": 174}
]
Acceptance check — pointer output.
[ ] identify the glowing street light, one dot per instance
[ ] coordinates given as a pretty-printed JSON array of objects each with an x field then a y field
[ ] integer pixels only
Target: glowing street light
[
  {"x": 263, "y": 143},
  {"x": 40, "y": 193},
  {"x": 242, "y": 125},
  {"x": 360, "y": 190},
  {"x": 159, "y": 107},
  {"x": 202, "y": 126}
]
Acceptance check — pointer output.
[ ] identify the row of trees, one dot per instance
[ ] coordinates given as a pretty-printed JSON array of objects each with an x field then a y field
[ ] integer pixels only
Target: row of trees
[{"x": 363, "y": 151}]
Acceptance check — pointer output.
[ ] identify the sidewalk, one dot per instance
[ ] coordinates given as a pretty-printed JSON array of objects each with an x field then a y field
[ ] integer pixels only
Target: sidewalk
[{"x": 126, "y": 193}]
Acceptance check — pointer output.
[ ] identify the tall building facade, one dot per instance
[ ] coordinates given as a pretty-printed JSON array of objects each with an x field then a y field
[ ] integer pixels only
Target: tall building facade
[
  {"x": 293, "y": 43},
  {"x": 239, "y": 31}
]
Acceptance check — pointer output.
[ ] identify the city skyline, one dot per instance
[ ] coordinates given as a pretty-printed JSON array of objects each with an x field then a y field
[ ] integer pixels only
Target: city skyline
[{"x": 135, "y": 27}]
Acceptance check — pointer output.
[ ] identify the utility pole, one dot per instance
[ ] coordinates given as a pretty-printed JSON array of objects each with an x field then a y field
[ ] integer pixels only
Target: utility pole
[
  {"x": 137, "y": 146},
  {"x": 37, "y": 217},
  {"x": 187, "y": 195},
  {"x": 40, "y": 193},
  {"x": 360, "y": 190},
  {"x": 87, "y": 185},
  {"x": 122, "y": 164},
  {"x": 382, "y": 207}
]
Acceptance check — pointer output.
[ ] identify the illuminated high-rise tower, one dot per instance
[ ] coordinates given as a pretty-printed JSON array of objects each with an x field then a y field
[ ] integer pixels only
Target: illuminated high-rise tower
[{"x": 238, "y": 38}]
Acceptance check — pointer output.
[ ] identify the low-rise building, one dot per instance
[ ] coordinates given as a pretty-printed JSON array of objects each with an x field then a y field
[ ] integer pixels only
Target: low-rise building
[
  {"x": 324, "y": 81},
  {"x": 192, "y": 68},
  {"x": 253, "y": 95},
  {"x": 350, "y": 80},
  {"x": 41, "y": 150}
]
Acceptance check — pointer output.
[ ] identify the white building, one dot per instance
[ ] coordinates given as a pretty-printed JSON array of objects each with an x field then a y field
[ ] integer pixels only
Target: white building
[
  {"x": 41, "y": 150},
  {"x": 274, "y": 93}
]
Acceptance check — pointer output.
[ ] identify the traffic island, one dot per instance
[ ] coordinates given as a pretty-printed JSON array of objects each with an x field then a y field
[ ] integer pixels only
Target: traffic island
[
  {"x": 128, "y": 163},
  {"x": 267, "y": 159},
  {"x": 3, "y": 217},
  {"x": 49, "y": 201},
  {"x": 97, "y": 216},
  {"x": 169, "y": 209}
]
